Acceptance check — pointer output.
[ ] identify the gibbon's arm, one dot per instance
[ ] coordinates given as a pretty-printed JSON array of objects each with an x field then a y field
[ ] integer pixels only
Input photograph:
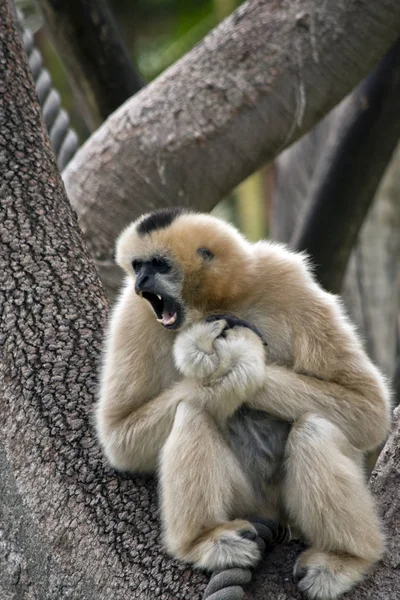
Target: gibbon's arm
[
  {"x": 328, "y": 371},
  {"x": 138, "y": 393},
  {"x": 331, "y": 375},
  {"x": 362, "y": 413}
]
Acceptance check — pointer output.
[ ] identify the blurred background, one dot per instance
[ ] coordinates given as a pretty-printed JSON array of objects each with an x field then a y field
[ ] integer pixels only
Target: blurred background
[{"x": 157, "y": 33}]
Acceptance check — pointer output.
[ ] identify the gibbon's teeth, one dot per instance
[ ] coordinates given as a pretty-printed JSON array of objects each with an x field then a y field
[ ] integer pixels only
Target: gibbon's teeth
[{"x": 159, "y": 297}]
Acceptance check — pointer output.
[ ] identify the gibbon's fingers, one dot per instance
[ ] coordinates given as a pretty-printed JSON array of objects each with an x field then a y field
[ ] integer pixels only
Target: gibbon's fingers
[{"x": 233, "y": 321}]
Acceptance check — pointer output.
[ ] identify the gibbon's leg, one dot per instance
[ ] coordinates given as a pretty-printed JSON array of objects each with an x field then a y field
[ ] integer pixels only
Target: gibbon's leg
[
  {"x": 326, "y": 495},
  {"x": 202, "y": 488}
]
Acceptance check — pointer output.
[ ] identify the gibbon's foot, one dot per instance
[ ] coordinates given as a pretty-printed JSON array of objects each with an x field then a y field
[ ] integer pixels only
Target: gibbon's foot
[
  {"x": 232, "y": 544},
  {"x": 326, "y": 576}
]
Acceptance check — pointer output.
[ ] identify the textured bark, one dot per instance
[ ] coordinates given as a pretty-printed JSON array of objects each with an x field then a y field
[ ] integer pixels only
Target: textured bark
[
  {"x": 265, "y": 76},
  {"x": 71, "y": 528},
  {"x": 96, "y": 59}
]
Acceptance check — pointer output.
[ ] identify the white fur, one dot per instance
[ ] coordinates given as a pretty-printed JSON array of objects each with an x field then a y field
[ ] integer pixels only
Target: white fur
[{"x": 228, "y": 364}]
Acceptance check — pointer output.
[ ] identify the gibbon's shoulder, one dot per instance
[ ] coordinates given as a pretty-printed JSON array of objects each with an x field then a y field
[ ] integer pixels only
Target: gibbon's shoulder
[
  {"x": 291, "y": 275},
  {"x": 285, "y": 266}
]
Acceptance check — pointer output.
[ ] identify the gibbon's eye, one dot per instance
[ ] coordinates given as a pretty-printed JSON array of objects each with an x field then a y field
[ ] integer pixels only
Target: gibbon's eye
[
  {"x": 160, "y": 265},
  {"x": 137, "y": 264},
  {"x": 205, "y": 253}
]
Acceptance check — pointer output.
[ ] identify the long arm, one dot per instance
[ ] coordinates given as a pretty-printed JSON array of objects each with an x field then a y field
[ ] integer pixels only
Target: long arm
[
  {"x": 362, "y": 414},
  {"x": 132, "y": 441},
  {"x": 138, "y": 393},
  {"x": 314, "y": 361},
  {"x": 317, "y": 364}
]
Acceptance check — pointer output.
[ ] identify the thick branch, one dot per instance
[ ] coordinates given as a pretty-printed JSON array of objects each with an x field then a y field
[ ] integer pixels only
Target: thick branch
[
  {"x": 255, "y": 84},
  {"x": 96, "y": 59},
  {"x": 371, "y": 289},
  {"x": 349, "y": 174}
]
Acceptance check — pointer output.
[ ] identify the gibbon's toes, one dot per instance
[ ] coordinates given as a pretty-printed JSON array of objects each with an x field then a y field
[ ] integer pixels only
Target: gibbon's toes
[
  {"x": 248, "y": 535},
  {"x": 271, "y": 531},
  {"x": 323, "y": 576},
  {"x": 228, "y": 547}
]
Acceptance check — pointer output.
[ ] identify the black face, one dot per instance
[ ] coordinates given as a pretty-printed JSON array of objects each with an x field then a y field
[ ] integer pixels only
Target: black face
[{"x": 151, "y": 284}]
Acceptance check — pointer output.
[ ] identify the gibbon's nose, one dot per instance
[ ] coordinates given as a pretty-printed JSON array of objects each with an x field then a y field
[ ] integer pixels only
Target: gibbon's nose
[
  {"x": 141, "y": 280},
  {"x": 144, "y": 280}
]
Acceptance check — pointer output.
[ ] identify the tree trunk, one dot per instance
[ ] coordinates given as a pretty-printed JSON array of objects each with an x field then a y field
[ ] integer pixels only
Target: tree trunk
[
  {"x": 71, "y": 527},
  {"x": 255, "y": 84}
]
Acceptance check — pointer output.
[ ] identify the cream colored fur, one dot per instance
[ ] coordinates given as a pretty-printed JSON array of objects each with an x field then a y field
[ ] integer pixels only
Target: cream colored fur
[{"x": 166, "y": 396}]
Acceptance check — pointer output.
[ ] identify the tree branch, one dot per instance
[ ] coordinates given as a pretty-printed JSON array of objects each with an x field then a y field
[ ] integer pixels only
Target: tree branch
[
  {"x": 96, "y": 59},
  {"x": 255, "y": 84},
  {"x": 348, "y": 176},
  {"x": 371, "y": 288}
]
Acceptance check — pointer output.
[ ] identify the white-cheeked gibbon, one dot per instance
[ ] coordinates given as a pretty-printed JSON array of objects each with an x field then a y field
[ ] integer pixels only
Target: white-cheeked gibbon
[{"x": 235, "y": 376}]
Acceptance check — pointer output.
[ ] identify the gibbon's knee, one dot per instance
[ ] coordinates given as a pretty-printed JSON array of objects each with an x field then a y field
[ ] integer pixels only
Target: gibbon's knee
[
  {"x": 326, "y": 493},
  {"x": 202, "y": 487}
]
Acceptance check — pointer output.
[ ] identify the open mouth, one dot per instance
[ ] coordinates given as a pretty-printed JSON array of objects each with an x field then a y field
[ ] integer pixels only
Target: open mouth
[{"x": 168, "y": 311}]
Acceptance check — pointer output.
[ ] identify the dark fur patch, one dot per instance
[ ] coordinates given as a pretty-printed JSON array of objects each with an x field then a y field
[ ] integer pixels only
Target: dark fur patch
[
  {"x": 258, "y": 441},
  {"x": 159, "y": 219}
]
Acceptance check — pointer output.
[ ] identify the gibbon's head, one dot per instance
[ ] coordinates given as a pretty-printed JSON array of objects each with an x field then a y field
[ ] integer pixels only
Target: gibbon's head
[{"x": 184, "y": 264}]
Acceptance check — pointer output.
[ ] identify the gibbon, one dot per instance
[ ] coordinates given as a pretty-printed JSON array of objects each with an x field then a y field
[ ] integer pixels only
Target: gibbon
[{"x": 235, "y": 376}]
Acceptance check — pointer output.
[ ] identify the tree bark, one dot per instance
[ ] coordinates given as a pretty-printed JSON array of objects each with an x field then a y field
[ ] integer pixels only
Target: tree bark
[
  {"x": 371, "y": 290},
  {"x": 255, "y": 84},
  {"x": 344, "y": 187},
  {"x": 71, "y": 527},
  {"x": 96, "y": 59},
  {"x": 371, "y": 286}
]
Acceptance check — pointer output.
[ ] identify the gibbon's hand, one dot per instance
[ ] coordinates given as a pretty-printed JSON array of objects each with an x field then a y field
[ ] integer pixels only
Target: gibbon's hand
[
  {"x": 224, "y": 359},
  {"x": 232, "y": 321}
]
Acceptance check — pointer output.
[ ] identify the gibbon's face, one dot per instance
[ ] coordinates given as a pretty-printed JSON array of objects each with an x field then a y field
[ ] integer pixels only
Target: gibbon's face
[{"x": 184, "y": 264}]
